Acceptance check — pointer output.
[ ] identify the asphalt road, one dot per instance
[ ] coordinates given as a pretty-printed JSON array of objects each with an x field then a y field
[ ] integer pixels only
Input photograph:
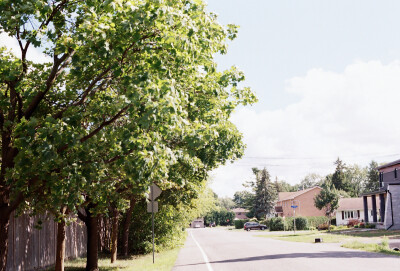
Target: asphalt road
[{"x": 220, "y": 249}]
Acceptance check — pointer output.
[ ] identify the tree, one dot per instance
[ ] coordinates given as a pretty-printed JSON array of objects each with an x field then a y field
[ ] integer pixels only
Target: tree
[
  {"x": 311, "y": 180},
  {"x": 282, "y": 186},
  {"x": 243, "y": 199},
  {"x": 265, "y": 193},
  {"x": 372, "y": 180},
  {"x": 339, "y": 180},
  {"x": 356, "y": 176},
  {"x": 327, "y": 199},
  {"x": 226, "y": 203},
  {"x": 131, "y": 94}
]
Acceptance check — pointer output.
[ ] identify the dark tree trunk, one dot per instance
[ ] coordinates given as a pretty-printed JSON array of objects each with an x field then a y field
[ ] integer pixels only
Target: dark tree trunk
[
  {"x": 4, "y": 225},
  {"x": 114, "y": 235},
  {"x": 91, "y": 222},
  {"x": 60, "y": 250},
  {"x": 125, "y": 229}
]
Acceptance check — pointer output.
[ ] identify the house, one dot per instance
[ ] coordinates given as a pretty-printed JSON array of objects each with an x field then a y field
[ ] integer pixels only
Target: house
[
  {"x": 303, "y": 199},
  {"x": 352, "y": 208},
  {"x": 389, "y": 198},
  {"x": 240, "y": 213}
]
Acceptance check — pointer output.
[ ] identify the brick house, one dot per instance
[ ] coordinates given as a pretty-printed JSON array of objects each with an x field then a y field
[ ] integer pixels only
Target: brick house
[
  {"x": 389, "y": 198},
  {"x": 304, "y": 199},
  {"x": 240, "y": 213}
]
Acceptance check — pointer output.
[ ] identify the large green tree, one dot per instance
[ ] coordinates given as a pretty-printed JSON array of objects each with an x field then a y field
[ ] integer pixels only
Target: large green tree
[
  {"x": 131, "y": 94},
  {"x": 265, "y": 193}
]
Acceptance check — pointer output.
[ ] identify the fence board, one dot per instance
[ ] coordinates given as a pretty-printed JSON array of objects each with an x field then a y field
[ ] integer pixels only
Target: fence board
[{"x": 31, "y": 248}]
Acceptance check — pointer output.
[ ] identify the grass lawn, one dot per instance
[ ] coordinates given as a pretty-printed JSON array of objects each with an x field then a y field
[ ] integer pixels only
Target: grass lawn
[
  {"x": 372, "y": 241},
  {"x": 164, "y": 261}
]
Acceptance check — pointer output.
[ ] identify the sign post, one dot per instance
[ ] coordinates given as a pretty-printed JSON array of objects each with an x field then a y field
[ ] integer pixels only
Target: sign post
[
  {"x": 152, "y": 207},
  {"x": 294, "y": 218}
]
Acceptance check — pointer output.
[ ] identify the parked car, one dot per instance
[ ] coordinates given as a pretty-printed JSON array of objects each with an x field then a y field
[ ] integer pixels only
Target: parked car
[{"x": 248, "y": 226}]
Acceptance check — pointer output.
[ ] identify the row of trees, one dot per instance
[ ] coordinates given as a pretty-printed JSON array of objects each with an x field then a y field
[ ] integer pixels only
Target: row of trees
[
  {"x": 131, "y": 96},
  {"x": 346, "y": 181}
]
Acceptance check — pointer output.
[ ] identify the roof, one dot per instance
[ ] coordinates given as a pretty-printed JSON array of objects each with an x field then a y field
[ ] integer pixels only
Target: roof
[
  {"x": 346, "y": 204},
  {"x": 291, "y": 195},
  {"x": 389, "y": 164},
  {"x": 240, "y": 210}
]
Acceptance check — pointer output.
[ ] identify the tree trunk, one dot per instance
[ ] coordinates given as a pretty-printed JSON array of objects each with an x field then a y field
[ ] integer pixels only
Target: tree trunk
[
  {"x": 114, "y": 235},
  {"x": 125, "y": 229},
  {"x": 4, "y": 225},
  {"x": 60, "y": 250},
  {"x": 92, "y": 240}
]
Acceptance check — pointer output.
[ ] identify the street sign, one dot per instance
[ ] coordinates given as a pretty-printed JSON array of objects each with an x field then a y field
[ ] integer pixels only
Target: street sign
[
  {"x": 294, "y": 206},
  {"x": 155, "y": 207},
  {"x": 155, "y": 192}
]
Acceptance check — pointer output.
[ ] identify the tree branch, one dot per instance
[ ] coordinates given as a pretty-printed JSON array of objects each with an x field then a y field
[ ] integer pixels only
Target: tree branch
[{"x": 55, "y": 72}]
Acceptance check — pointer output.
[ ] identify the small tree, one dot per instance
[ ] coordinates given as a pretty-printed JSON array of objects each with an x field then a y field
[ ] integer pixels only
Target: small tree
[
  {"x": 327, "y": 199},
  {"x": 265, "y": 193}
]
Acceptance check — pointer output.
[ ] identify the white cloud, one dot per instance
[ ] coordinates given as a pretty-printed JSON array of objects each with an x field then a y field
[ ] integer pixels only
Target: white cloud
[
  {"x": 352, "y": 115},
  {"x": 33, "y": 54}
]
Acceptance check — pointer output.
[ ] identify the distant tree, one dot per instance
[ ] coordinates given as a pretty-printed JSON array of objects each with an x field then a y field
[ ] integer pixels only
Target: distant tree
[
  {"x": 226, "y": 203},
  {"x": 265, "y": 193},
  {"x": 372, "y": 181},
  {"x": 356, "y": 177},
  {"x": 244, "y": 199},
  {"x": 282, "y": 186},
  {"x": 328, "y": 200},
  {"x": 311, "y": 180},
  {"x": 339, "y": 180}
]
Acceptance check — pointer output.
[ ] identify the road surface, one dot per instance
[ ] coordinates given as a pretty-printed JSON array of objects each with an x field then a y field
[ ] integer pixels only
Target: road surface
[{"x": 220, "y": 249}]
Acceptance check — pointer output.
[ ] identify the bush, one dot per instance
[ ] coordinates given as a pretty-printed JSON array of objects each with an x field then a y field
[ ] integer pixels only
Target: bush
[
  {"x": 353, "y": 222},
  {"x": 254, "y": 219},
  {"x": 315, "y": 221},
  {"x": 239, "y": 223},
  {"x": 277, "y": 224},
  {"x": 362, "y": 225},
  {"x": 323, "y": 227},
  {"x": 370, "y": 226},
  {"x": 301, "y": 223}
]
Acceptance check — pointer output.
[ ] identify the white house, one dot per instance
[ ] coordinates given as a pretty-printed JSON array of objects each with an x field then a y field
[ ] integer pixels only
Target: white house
[{"x": 351, "y": 208}]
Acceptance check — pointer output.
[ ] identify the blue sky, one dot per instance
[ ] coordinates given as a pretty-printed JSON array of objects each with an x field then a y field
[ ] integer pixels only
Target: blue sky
[{"x": 325, "y": 73}]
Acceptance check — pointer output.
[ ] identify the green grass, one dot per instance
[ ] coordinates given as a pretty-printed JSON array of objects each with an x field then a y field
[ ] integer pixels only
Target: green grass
[
  {"x": 383, "y": 247},
  {"x": 350, "y": 239},
  {"x": 164, "y": 261}
]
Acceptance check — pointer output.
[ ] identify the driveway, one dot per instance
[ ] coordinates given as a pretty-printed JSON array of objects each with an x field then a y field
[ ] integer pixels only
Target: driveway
[{"x": 221, "y": 249}]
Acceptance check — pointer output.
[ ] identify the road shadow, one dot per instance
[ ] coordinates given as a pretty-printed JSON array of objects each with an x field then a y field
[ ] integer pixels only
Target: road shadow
[{"x": 323, "y": 254}]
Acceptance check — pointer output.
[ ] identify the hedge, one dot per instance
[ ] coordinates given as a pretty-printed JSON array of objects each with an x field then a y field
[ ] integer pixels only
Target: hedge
[{"x": 239, "y": 223}]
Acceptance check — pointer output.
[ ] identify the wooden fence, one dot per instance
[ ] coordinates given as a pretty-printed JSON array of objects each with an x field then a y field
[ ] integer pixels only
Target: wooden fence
[{"x": 32, "y": 249}]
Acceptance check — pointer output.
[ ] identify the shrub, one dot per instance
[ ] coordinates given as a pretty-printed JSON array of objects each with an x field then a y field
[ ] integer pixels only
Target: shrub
[
  {"x": 276, "y": 224},
  {"x": 362, "y": 225},
  {"x": 370, "y": 226},
  {"x": 315, "y": 221},
  {"x": 239, "y": 223},
  {"x": 301, "y": 223},
  {"x": 254, "y": 219},
  {"x": 322, "y": 227},
  {"x": 352, "y": 222}
]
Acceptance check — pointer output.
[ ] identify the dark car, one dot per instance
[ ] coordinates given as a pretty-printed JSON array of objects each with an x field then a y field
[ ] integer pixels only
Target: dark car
[{"x": 254, "y": 226}]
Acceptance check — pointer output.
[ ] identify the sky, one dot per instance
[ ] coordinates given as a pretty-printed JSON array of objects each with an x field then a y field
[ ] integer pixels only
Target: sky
[{"x": 327, "y": 75}]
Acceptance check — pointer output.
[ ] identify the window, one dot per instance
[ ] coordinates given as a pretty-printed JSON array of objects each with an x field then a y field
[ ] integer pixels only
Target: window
[{"x": 348, "y": 214}]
